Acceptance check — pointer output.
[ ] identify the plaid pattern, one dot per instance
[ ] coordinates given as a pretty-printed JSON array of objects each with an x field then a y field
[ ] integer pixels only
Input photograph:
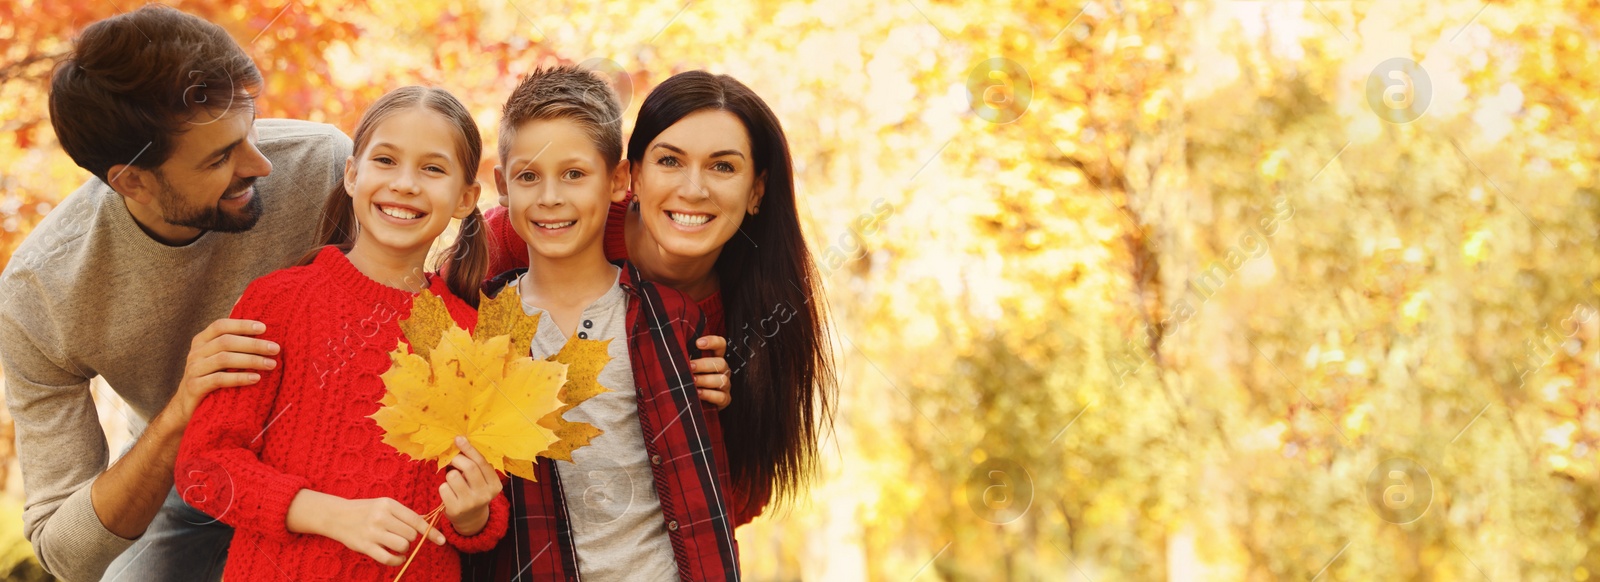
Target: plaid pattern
[
  {"x": 508, "y": 252},
  {"x": 683, "y": 439}
]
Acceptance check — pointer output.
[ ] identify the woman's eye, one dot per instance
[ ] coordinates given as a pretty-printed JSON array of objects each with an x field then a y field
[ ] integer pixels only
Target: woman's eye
[
  {"x": 668, "y": 161},
  {"x": 572, "y": 174},
  {"x": 722, "y": 167}
]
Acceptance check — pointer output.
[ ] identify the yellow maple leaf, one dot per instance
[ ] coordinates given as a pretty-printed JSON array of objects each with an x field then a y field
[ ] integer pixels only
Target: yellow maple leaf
[
  {"x": 426, "y": 323},
  {"x": 469, "y": 389},
  {"x": 503, "y": 315},
  {"x": 584, "y": 359},
  {"x": 447, "y": 382}
]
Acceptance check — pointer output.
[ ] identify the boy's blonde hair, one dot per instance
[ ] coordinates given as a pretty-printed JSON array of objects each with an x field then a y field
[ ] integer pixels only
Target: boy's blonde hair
[{"x": 566, "y": 92}]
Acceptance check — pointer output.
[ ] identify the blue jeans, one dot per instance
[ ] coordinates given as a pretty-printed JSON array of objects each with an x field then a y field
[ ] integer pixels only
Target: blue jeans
[{"x": 182, "y": 544}]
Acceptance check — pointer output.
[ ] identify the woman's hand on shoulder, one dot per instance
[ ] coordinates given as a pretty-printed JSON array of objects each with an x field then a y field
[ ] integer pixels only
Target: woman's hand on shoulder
[{"x": 712, "y": 377}]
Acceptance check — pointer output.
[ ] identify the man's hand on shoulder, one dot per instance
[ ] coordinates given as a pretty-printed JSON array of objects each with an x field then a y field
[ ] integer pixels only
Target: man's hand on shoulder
[{"x": 223, "y": 355}]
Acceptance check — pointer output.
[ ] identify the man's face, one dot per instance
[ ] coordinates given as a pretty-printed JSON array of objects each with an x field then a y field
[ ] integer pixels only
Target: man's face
[{"x": 208, "y": 182}]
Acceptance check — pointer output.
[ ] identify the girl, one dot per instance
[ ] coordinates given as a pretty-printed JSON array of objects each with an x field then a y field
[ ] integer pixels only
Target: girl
[
  {"x": 713, "y": 215},
  {"x": 293, "y": 462}
]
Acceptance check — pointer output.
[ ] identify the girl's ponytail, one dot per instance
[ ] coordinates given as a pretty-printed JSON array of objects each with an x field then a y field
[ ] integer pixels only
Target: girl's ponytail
[
  {"x": 467, "y": 262},
  {"x": 336, "y": 227}
]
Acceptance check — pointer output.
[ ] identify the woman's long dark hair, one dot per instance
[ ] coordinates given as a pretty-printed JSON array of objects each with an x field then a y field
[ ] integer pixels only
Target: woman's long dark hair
[
  {"x": 778, "y": 344},
  {"x": 468, "y": 258}
]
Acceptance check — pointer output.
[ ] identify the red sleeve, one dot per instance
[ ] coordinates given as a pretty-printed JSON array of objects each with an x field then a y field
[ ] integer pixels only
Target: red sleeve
[
  {"x": 218, "y": 469},
  {"x": 615, "y": 240},
  {"x": 748, "y": 505},
  {"x": 506, "y": 249},
  {"x": 489, "y": 537}
]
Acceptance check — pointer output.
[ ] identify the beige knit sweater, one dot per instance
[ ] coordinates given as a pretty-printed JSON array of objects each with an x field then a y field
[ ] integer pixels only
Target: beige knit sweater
[{"x": 90, "y": 294}]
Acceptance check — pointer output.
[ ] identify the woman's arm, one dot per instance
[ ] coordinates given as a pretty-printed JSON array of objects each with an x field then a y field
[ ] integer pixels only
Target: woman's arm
[
  {"x": 711, "y": 374},
  {"x": 506, "y": 249}
]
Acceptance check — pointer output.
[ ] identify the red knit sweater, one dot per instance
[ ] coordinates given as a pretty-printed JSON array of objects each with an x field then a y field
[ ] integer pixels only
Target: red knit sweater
[{"x": 250, "y": 449}]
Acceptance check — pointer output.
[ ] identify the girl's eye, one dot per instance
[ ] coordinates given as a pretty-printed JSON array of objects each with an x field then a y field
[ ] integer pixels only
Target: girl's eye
[
  {"x": 572, "y": 174},
  {"x": 668, "y": 161},
  {"x": 433, "y": 168},
  {"x": 722, "y": 167},
  {"x": 385, "y": 160}
]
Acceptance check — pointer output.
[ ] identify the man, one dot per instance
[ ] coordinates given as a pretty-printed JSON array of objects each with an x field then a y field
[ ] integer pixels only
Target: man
[{"x": 192, "y": 198}]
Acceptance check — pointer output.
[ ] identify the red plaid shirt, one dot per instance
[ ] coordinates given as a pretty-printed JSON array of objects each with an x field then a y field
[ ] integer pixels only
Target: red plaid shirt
[
  {"x": 683, "y": 439},
  {"x": 508, "y": 252}
]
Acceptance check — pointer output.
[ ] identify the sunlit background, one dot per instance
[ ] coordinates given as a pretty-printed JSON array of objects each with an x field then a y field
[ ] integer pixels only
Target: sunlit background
[{"x": 1204, "y": 290}]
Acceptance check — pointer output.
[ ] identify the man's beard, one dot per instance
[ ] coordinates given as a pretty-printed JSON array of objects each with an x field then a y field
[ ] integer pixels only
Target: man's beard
[{"x": 177, "y": 211}]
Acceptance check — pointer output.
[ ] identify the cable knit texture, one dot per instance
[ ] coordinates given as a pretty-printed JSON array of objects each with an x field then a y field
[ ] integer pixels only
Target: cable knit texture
[{"x": 251, "y": 449}]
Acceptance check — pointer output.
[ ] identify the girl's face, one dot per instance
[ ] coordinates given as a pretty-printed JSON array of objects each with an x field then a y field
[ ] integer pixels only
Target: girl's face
[
  {"x": 407, "y": 183},
  {"x": 696, "y": 182},
  {"x": 559, "y": 188}
]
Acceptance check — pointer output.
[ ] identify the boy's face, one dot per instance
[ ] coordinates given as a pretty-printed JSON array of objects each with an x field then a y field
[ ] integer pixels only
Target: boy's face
[{"x": 558, "y": 188}]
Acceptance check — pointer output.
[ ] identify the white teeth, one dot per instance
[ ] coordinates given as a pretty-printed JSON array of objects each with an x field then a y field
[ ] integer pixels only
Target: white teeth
[
  {"x": 555, "y": 225},
  {"x": 689, "y": 219},
  {"x": 399, "y": 213}
]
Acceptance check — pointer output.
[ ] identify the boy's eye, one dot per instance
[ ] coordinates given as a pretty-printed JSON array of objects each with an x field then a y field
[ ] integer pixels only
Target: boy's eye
[
  {"x": 572, "y": 174},
  {"x": 722, "y": 167},
  {"x": 668, "y": 161},
  {"x": 528, "y": 177}
]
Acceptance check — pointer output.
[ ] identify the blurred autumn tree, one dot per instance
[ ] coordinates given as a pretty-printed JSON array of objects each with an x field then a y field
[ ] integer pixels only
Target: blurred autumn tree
[
  {"x": 1191, "y": 393},
  {"x": 1192, "y": 290}
]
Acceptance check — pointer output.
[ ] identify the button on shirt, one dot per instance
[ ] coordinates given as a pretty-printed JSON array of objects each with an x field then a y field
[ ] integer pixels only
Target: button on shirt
[{"x": 616, "y": 518}]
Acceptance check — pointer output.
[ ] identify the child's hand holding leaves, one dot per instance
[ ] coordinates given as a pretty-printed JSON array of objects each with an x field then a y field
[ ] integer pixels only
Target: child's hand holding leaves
[
  {"x": 467, "y": 490},
  {"x": 382, "y": 529}
]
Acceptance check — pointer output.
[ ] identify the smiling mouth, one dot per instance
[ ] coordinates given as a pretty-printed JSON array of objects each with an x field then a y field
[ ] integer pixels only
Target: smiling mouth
[
  {"x": 238, "y": 195},
  {"x": 687, "y": 219},
  {"x": 555, "y": 225},
  {"x": 400, "y": 213}
]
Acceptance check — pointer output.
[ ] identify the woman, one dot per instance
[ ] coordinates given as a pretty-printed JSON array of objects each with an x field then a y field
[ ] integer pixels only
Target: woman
[{"x": 712, "y": 214}]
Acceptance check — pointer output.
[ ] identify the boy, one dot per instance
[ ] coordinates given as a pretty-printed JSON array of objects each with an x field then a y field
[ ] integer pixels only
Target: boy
[{"x": 646, "y": 500}]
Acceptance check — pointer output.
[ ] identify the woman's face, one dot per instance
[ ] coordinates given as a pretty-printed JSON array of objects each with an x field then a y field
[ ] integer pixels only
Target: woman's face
[{"x": 696, "y": 182}]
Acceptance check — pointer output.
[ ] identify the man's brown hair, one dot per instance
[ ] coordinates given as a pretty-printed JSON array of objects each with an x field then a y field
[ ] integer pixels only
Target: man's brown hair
[
  {"x": 134, "y": 82},
  {"x": 566, "y": 92}
]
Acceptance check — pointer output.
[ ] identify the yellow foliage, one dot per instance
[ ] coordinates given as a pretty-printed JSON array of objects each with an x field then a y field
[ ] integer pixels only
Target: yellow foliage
[
  {"x": 584, "y": 359},
  {"x": 508, "y": 405}
]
